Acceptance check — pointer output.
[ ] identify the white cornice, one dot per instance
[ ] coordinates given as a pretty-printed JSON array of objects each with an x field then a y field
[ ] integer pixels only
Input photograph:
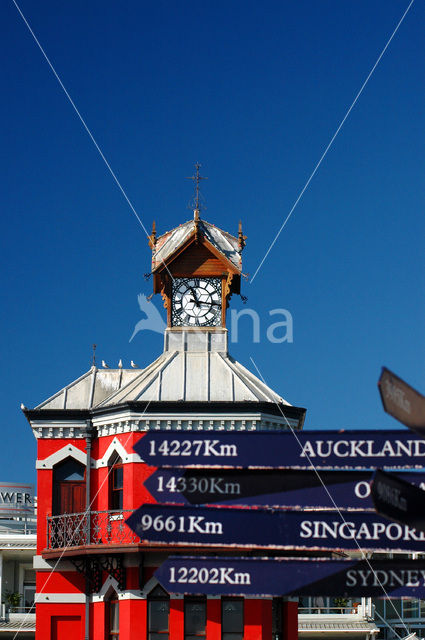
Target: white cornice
[{"x": 128, "y": 422}]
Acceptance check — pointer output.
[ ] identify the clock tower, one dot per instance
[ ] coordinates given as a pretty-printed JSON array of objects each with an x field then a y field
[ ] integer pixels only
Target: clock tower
[{"x": 196, "y": 268}]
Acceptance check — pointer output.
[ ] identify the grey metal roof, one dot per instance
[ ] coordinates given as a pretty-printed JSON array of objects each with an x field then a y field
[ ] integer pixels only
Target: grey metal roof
[
  {"x": 170, "y": 241},
  {"x": 199, "y": 376},
  {"x": 90, "y": 389},
  {"x": 194, "y": 367}
]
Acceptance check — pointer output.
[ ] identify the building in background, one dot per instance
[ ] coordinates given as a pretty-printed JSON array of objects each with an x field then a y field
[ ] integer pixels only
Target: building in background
[{"x": 17, "y": 550}]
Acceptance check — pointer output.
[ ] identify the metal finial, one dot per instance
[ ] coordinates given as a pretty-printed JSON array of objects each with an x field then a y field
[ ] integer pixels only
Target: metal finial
[
  {"x": 196, "y": 199},
  {"x": 152, "y": 237},
  {"x": 241, "y": 237},
  {"x": 94, "y": 355}
]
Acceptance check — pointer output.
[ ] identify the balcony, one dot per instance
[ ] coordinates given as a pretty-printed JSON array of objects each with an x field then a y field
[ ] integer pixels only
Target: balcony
[
  {"x": 324, "y": 619},
  {"x": 88, "y": 529},
  {"x": 19, "y": 621}
]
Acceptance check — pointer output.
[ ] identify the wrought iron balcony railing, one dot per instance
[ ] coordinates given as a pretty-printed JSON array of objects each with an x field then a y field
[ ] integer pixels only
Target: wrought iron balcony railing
[{"x": 89, "y": 528}]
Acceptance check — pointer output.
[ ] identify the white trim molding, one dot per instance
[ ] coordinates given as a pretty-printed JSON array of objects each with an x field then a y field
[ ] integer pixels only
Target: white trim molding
[
  {"x": 39, "y": 564},
  {"x": 111, "y": 584},
  {"x": 60, "y": 598},
  {"x": 129, "y": 421},
  {"x": 115, "y": 447},
  {"x": 68, "y": 451},
  {"x": 58, "y": 429}
]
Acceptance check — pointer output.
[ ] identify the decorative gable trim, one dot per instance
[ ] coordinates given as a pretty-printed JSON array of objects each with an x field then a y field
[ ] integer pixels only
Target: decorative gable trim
[
  {"x": 115, "y": 447},
  {"x": 111, "y": 584},
  {"x": 149, "y": 586},
  {"x": 68, "y": 451}
]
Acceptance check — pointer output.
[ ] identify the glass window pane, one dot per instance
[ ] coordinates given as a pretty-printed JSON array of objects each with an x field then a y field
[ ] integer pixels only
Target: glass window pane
[
  {"x": 117, "y": 499},
  {"x": 277, "y": 608},
  {"x": 195, "y": 615},
  {"x": 158, "y": 615},
  {"x": 410, "y": 608},
  {"x": 158, "y": 636},
  {"x": 379, "y": 607},
  {"x": 118, "y": 477},
  {"x": 115, "y": 623},
  {"x": 232, "y": 616},
  {"x": 393, "y": 608},
  {"x": 232, "y": 636}
]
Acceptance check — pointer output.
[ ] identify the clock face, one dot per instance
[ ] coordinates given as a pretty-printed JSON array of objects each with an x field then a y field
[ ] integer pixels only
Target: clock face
[{"x": 196, "y": 302}]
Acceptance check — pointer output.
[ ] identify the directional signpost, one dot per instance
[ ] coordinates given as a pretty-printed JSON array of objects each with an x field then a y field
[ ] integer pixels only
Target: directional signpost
[
  {"x": 288, "y": 577},
  {"x": 267, "y": 487},
  {"x": 393, "y": 497},
  {"x": 402, "y": 401},
  {"x": 398, "y": 500},
  {"x": 266, "y": 496},
  {"x": 324, "y": 449},
  {"x": 272, "y": 529}
]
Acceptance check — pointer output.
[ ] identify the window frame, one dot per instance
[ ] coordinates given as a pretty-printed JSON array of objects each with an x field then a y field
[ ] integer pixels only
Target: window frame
[
  {"x": 112, "y": 604},
  {"x": 116, "y": 493},
  {"x": 158, "y": 594},
  {"x": 233, "y": 634},
  {"x": 195, "y": 600}
]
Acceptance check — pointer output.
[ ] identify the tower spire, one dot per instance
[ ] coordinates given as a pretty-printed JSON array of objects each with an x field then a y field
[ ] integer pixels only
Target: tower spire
[
  {"x": 152, "y": 237},
  {"x": 241, "y": 237},
  {"x": 196, "y": 199}
]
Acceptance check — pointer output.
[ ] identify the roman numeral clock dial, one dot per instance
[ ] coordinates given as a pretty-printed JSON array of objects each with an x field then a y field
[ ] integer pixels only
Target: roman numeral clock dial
[{"x": 196, "y": 302}]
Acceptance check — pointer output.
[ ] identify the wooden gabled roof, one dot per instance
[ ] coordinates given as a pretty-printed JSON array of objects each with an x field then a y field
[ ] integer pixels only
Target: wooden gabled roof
[{"x": 222, "y": 244}]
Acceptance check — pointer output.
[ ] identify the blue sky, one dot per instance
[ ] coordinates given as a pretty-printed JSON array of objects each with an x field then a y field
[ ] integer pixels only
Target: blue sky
[{"x": 254, "y": 92}]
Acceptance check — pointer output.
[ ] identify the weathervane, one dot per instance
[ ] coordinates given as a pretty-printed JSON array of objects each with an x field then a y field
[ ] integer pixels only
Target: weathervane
[{"x": 197, "y": 178}]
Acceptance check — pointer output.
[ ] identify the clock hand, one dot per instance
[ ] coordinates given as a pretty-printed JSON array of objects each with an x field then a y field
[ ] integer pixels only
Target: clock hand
[
  {"x": 210, "y": 304},
  {"x": 196, "y": 301}
]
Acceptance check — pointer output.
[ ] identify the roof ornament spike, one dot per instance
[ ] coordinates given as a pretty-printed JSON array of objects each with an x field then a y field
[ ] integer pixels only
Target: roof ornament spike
[
  {"x": 152, "y": 237},
  {"x": 93, "y": 362},
  {"x": 196, "y": 202},
  {"x": 241, "y": 237}
]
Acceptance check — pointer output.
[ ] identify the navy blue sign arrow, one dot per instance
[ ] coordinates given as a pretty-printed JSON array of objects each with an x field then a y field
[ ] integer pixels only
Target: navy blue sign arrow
[
  {"x": 324, "y": 449},
  {"x": 280, "y": 576},
  {"x": 398, "y": 500},
  {"x": 267, "y": 487},
  {"x": 267, "y": 528}
]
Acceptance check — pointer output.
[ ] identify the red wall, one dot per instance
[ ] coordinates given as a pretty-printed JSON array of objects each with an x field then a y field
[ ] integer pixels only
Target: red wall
[
  {"x": 63, "y": 621},
  {"x": 59, "y": 622}
]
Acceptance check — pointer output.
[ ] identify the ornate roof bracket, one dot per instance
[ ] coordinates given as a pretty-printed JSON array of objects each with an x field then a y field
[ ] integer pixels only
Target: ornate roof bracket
[{"x": 92, "y": 567}]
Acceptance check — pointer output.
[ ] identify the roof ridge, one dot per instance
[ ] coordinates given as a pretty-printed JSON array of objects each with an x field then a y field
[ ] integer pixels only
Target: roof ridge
[
  {"x": 253, "y": 379},
  {"x": 135, "y": 381}
]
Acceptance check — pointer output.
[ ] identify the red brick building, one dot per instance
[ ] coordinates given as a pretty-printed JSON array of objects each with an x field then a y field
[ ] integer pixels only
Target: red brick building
[{"x": 94, "y": 576}]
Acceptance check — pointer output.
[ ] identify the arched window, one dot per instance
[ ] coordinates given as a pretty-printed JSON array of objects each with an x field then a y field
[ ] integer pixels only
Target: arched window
[
  {"x": 158, "y": 614},
  {"x": 112, "y": 615},
  {"x": 69, "y": 487},
  {"x": 116, "y": 484}
]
